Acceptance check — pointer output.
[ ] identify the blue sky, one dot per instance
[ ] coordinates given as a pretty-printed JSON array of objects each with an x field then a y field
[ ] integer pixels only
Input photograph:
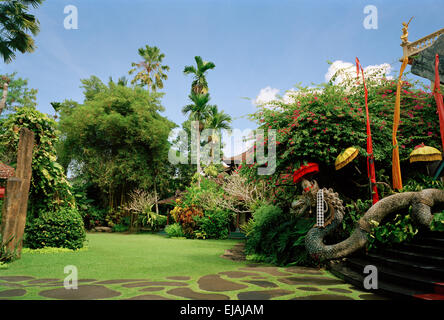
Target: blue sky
[{"x": 254, "y": 43}]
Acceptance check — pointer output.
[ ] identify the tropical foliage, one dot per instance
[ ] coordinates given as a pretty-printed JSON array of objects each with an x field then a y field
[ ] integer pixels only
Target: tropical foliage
[
  {"x": 152, "y": 73},
  {"x": 115, "y": 121},
  {"x": 17, "y": 27},
  {"x": 50, "y": 189}
]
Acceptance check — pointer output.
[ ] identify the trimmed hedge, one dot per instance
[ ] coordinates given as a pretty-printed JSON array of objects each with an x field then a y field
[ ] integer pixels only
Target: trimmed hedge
[{"x": 61, "y": 229}]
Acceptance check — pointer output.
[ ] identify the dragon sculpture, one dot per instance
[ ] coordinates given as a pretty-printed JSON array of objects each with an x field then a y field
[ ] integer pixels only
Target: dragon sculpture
[{"x": 421, "y": 203}]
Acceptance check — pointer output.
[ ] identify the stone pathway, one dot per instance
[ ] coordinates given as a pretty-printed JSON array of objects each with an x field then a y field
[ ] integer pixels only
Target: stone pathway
[{"x": 251, "y": 282}]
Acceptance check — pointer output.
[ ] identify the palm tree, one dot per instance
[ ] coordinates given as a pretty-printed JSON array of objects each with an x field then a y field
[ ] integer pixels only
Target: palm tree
[
  {"x": 199, "y": 84},
  {"x": 15, "y": 23},
  {"x": 198, "y": 111},
  {"x": 216, "y": 121},
  {"x": 152, "y": 71}
]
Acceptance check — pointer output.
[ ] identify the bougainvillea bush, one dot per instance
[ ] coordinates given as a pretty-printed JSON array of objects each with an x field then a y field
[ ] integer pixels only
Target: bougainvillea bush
[{"x": 317, "y": 124}]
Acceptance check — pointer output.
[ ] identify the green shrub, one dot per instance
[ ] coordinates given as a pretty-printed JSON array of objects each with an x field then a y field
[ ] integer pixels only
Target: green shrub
[
  {"x": 438, "y": 222},
  {"x": 6, "y": 255},
  {"x": 399, "y": 229},
  {"x": 61, "y": 229},
  {"x": 121, "y": 227},
  {"x": 174, "y": 230},
  {"x": 213, "y": 224},
  {"x": 277, "y": 237}
]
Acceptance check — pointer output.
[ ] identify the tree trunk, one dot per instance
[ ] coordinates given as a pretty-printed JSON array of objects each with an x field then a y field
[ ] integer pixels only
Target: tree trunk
[
  {"x": 155, "y": 194},
  {"x": 198, "y": 155},
  {"x": 5, "y": 94}
]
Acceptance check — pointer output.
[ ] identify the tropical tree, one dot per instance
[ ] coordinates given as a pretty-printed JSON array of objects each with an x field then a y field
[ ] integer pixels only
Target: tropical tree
[
  {"x": 152, "y": 71},
  {"x": 198, "y": 112},
  {"x": 115, "y": 140},
  {"x": 217, "y": 121},
  {"x": 199, "y": 85},
  {"x": 16, "y": 93},
  {"x": 15, "y": 24}
]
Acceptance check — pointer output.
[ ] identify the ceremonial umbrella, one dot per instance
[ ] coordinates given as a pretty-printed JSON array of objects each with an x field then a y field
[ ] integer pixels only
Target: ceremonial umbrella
[
  {"x": 425, "y": 153},
  {"x": 346, "y": 157},
  {"x": 305, "y": 171}
]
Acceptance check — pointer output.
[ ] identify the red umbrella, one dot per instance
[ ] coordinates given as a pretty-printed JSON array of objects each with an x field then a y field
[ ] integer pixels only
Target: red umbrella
[{"x": 305, "y": 171}]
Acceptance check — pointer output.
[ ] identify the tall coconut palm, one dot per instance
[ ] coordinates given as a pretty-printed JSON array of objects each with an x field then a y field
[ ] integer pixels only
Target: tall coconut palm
[
  {"x": 216, "y": 121},
  {"x": 152, "y": 72},
  {"x": 199, "y": 85},
  {"x": 15, "y": 24},
  {"x": 197, "y": 111}
]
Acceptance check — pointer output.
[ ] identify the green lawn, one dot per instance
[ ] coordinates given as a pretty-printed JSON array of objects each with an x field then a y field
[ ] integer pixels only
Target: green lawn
[{"x": 115, "y": 255}]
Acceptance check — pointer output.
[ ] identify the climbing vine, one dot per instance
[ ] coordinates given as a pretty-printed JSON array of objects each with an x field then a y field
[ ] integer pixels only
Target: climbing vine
[{"x": 50, "y": 189}]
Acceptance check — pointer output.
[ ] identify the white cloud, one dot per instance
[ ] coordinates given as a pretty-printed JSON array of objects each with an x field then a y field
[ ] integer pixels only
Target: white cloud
[
  {"x": 266, "y": 95},
  {"x": 347, "y": 70}
]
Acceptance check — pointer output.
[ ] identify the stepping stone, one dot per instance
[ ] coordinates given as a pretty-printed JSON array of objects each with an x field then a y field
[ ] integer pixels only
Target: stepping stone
[
  {"x": 339, "y": 290},
  {"x": 149, "y": 289},
  {"x": 62, "y": 283},
  {"x": 213, "y": 282},
  {"x": 270, "y": 270},
  {"x": 238, "y": 274},
  {"x": 13, "y": 285},
  {"x": 12, "y": 293},
  {"x": 190, "y": 294},
  {"x": 262, "y": 295},
  {"x": 315, "y": 281},
  {"x": 304, "y": 270},
  {"x": 42, "y": 281},
  {"x": 85, "y": 292},
  {"x": 148, "y": 297},
  {"x": 16, "y": 278},
  {"x": 323, "y": 297},
  {"x": 309, "y": 289},
  {"x": 263, "y": 284},
  {"x": 371, "y": 296},
  {"x": 154, "y": 283},
  {"x": 117, "y": 281},
  {"x": 179, "y": 278}
]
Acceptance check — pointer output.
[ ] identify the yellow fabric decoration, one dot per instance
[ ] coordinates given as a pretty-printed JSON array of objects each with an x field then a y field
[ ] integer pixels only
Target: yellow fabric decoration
[{"x": 396, "y": 168}]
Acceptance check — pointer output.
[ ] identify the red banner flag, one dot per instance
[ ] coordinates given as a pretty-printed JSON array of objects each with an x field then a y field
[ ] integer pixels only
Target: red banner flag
[
  {"x": 370, "y": 158},
  {"x": 439, "y": 100}
]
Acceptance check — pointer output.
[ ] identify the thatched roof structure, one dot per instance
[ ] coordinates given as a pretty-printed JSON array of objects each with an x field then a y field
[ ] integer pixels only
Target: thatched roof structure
[{"x": 6, "y": 171}]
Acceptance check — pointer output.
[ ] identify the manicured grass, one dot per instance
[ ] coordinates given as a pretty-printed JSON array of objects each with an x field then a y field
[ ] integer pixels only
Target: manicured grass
[{"x": 113, "y": 256}]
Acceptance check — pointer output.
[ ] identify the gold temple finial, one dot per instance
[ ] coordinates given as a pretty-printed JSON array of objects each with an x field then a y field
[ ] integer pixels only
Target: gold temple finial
[{"x": 405, "y": 31}]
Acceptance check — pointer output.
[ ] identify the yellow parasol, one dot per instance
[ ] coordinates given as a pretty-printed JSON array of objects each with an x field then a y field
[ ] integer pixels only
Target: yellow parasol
[
  {"x": 425, "y": 153},
  {"x": 346, "y": 157}
]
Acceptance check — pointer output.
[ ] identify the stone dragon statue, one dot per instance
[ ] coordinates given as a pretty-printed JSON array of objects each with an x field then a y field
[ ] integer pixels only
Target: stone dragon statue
[{"x": 421, "y": 203}]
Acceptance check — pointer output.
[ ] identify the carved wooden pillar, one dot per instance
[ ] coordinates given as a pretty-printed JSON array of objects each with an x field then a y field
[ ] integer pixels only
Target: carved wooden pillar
[
  {"x": 17, "y": 190},
  {"x": 11, "y": 208},
  {"x": 24, "y": 172}
]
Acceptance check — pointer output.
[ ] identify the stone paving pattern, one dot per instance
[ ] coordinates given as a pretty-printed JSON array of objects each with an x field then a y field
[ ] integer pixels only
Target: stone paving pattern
[{"x": 251, "y": 282}]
